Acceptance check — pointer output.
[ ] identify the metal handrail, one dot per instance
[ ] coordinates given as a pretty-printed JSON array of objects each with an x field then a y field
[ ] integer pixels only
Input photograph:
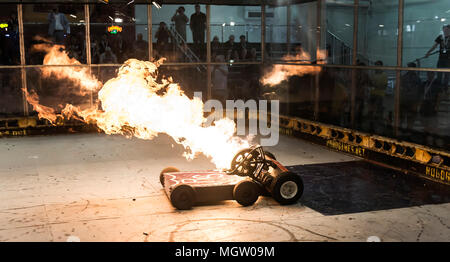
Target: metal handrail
[{"x": 185, "y": 49}]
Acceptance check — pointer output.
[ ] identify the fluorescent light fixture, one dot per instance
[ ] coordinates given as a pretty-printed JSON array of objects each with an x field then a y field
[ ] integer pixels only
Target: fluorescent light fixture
[
  {"x": 232, "y": 23},
  {"x": 118, "y": 20},
  {"x": 157, "y": 4},
  {"x": 74, "y": 16},
  {"x": 381, "y": 25},
  {"x": 132, "y": 1},
  {"x": 418, "y": 21},
  {"x": 111, "y": 18},
  {"x": 347, "y": 25},
  {"x": 436, "y": 17},
  {"x": 81, "y": 21},
  {"x": 443, "y": 19},
  {"x": 224, "y": 24}
]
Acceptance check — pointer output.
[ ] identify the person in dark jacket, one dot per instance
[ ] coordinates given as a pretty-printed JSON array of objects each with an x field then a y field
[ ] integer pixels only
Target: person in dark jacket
[
  {"x": 198, "y": 26},
  {"x": 409, "y": 97}
]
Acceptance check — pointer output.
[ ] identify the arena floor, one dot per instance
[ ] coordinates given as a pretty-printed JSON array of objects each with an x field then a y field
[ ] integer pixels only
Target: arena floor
[{"x": 95, "y": 187}]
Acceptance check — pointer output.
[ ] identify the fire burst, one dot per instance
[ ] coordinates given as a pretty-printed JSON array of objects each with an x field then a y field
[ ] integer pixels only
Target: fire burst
[
  {"x": 280, "y": 72},
  {"x": 135, "y": 104}
]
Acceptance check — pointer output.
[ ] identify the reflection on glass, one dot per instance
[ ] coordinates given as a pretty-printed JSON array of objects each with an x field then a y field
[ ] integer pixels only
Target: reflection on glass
[
  {"x": 179, "y": 33},
  {"x": 377, "y": 32},
  {"x": 9, "y": 35},
  {"x": 424, "y": 109},
  {"x": 10, "y": 93},
  {"x": 56, "y": 24},
  {"x": 334, "y": 100},
  {"x": 118, "y": 32},
  {"x": 339, "y": 32}
]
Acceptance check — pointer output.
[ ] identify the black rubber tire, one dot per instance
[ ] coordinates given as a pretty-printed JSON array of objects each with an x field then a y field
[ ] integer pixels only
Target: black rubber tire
[
  {"x": 169, "y": 169},
  {"x": 282, "y": 179},
  {"x": 267, "y": 153},
  {"x": 250, "y": 169},
  {"x": 246, "y": 192},
  {"x": 182, "y": 197}
]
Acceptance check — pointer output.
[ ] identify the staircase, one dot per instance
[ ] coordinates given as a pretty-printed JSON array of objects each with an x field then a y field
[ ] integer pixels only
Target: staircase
[{"x": 182, "y": 46}]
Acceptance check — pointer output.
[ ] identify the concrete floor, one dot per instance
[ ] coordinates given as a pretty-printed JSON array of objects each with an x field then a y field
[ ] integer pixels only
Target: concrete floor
[{"x": 95, "y": 187}]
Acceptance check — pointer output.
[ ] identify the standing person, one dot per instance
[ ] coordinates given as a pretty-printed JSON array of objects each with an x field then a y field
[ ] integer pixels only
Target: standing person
[
  {"x": 140, "y": 47},
  {"x": 162, "y": 38},
  {"x": 216, "y": 47},
  {"x": 429, "y": 107},
  {"x": 229, "y": 46},
  {"x": 409, "y": 97},
  {"x": 180, "y": 20},
  {"x": 58, "y": 25},
  {"x": 220, "y": 73},
  {"x": 198, "y": 26},
  {"x": 104, "y": 43},
  {"x": 362, "y": 79},
  {"x": 379, "y": 81},
  {"x": 443, "y": 41},
  {"x": 242, "y": 47}
]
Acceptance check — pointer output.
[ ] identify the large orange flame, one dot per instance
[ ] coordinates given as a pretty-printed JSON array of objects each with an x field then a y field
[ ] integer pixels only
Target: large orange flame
[
  {"x": 135, "y": 104},
  {"x": 281, "y": 72}
]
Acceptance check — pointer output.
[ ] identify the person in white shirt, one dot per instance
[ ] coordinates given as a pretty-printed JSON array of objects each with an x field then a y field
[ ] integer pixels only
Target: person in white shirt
[
  {"x": 58, "y": 25},
  {"x": 220, "y": 73}
]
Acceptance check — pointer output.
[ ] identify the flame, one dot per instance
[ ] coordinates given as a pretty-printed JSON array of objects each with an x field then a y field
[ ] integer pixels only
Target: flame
[
  {"x": 281, "y": 72},
  {"x": 56, "y": 55},
  {"x": 135, "y": 104}
]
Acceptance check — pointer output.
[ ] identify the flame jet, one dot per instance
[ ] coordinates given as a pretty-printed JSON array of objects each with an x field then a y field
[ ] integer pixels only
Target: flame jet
[{"x": 134, "y": 104}]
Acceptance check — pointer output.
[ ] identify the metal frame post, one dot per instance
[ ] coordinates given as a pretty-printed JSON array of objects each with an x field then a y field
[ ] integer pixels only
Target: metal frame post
[
  {"x": 318, "y": 43},
  {"x": 22, "y": 59},
  {"x": 288, "y": 31},
  {"x": 88, "y": 45},
  {"x": 263, "y": 31},
  {"x": 149, "y": 32},
  {"x": 399, "y": 64},
  {"x": 354, "y": 59},
  {"x": 208, "y": 51}
]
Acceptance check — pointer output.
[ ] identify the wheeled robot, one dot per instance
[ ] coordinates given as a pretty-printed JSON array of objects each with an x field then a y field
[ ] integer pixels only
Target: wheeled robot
[{"x": 253, "y": 172}]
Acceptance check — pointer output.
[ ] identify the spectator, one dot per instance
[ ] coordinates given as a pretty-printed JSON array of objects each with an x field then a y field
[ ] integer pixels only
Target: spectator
[
  {"x": 162, "y": 38},
  {"x": 104, "y": 43},
  {"x": 198, "y": 26},
  {"x": 58, "y": 25},
  {"x": 119, "y": 47},
  {"x": 180, "y": 20},
  {"x": 140, "y": 47},
  {"x": 444, "y": 55},
  {"x": 220, "y": 73},
  {"x": 379, "y": 83},
  {"x": 230, "y": 45},
  {"x": 409, "y": 97},
  {"x": 108, "y": 57},
  {"x": 216, "y": 47},
  {"x": 253, "y": 74},
  {"x": 95, "y": 51},
  {"x": 242, "y": 47},
  {"x": 13, "y": 23},
  {"x": 362, "y": 80},
  {"x": 430, "y": 91}
]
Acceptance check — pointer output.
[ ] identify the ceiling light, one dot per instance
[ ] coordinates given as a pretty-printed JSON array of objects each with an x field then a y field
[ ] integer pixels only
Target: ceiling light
[{"x": 157, "y": 3}]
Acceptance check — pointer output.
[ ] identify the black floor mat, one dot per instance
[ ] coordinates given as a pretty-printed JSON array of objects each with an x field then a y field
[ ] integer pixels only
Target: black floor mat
[{"x": 359, "y": 186}]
